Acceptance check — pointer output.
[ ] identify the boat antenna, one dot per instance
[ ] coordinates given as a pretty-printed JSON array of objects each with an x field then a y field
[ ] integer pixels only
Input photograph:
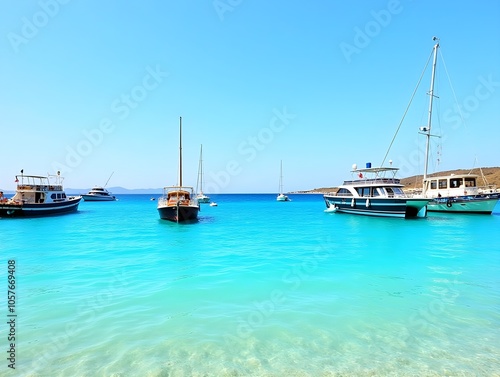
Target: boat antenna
[
  {"x": 180, "y": 151},
  {"x": 109, "y": 179},
  {"x": 427, "y": 130}
]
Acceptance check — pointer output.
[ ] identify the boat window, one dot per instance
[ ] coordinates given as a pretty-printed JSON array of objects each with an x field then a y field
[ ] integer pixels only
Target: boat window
[
  {"x": 344, "y": 192},
  {"x": 470, "y": 182},
  {"x": 455, "y": 182},
  {"x": 398, "y": 191},
  {"x": 390, "y": 192},
  {"x": 363, "y": 191},
  {"x": 53, "y": 196},
  {"x": 376, "y": 191},
  {"x": 443, "y": 184},
  {"x": 433, "y": 184}
]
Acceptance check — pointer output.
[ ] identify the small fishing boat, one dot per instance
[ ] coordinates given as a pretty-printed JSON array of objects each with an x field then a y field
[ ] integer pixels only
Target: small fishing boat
[
  {"x": 38, "y": 196},
  {"x": 178, "y": 203},
  {"x": 200, "y": 196},
  {"x": 375, "y": 192},
  {"x": 213, "y": 204},
  {"x": 99, "y": 194},
  {"x": 281, "y": 196}
]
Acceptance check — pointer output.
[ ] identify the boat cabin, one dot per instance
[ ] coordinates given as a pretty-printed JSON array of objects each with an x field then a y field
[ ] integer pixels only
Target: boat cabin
[
  {"x": 451, "y": 185},
  {"x": 373, "y": 183}
]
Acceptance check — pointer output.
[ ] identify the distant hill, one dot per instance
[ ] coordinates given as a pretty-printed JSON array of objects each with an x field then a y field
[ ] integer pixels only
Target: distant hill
[
  {"x": 491, "y": 175},
  {"x": 116, "y": 190}
]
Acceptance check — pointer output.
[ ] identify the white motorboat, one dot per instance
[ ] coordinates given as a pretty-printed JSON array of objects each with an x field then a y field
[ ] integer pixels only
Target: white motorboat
[{"x": 98, "y": 194}]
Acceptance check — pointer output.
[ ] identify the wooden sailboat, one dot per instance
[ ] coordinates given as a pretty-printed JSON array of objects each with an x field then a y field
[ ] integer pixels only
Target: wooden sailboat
[
  {"x": 282, "y": 197},
  {"x": 178, "y": 203},
  {"x": 456, "y": 193},
  {"x": 200, "y": 196}
]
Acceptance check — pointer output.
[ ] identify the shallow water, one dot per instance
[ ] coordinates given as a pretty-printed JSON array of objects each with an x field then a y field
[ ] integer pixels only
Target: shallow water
[{"x": 255, "y": 288}]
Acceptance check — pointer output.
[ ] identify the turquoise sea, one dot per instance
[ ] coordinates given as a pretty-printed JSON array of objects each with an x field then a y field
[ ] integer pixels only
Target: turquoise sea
[{"x": 255, "y": 288}]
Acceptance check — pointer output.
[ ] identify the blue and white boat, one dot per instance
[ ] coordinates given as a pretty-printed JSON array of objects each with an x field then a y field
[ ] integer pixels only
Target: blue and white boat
[
  {"x": 38, "y": 196},
  {"x": 375, "y": 192}
]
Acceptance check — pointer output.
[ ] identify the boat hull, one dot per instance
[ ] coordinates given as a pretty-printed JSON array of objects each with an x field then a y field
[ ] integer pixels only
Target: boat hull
[
  {"x": 381, "y": 207},
  {"x": 178, "y": 213},
  {"x": 282, "y": 198},
  {"x": 39, "y": 209},
  {"x": 98, "y": 198},
  {"x": 464, "y": 204}
]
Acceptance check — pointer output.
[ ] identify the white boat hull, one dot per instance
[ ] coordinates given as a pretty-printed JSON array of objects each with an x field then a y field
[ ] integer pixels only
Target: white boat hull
[{"x": 98, "y": 198}]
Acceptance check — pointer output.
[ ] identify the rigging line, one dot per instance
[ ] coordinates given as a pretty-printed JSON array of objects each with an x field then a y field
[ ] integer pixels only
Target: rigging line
[
  {"x": 462, "y": 118},
  {"x": 407, "y": 108},
  {"x": 452, "y": 89}
]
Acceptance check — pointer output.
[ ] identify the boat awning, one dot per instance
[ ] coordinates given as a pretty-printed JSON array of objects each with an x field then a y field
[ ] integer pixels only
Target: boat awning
[{"x": 375, "y": 170}]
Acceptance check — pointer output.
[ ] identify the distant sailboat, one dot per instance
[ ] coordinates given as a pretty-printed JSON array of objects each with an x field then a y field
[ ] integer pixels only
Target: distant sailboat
[
  {"x": 202, "y": 198},
  {"x": 178, "y": 203},
  {"x": 282, "y": 197}
]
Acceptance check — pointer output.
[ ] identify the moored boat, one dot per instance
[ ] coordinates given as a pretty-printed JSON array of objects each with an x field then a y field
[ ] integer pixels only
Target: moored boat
[
  {"x": 178, "y": 203},
  {"x": 281, "y": 196},
  {"x": 458, "y": 193},
  {"x": 200, "y": 196},
  {"x": 375, "y": 192},
  {"x": 38, "y": 196},
  {"x": 451, "y": 193},
  {"x": 98, "y": 194}
]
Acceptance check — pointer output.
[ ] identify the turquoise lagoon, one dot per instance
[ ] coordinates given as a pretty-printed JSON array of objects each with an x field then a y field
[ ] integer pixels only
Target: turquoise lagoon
[{"x": 255, "y": 288}]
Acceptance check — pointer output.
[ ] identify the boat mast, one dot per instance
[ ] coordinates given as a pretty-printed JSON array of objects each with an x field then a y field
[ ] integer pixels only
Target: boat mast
[
  {"x": 180, "y": 151},
  {"x": 109, "y": 179},
  {"x": 431, "y": 97},
  {"x": 201, "y": 169},
  {"x": 281, "y": 177}
]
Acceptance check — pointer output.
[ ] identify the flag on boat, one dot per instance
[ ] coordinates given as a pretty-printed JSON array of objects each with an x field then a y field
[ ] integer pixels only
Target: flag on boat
[{"x": 360, "y": 175}]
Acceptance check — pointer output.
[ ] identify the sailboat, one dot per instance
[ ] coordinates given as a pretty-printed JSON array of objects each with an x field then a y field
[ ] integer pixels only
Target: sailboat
[
  {"x": 178, "y": 203},
  {"x": 455, "y": 193},
  {"x": 282, "y": 197},
  {"x": 200, "y": 196}
]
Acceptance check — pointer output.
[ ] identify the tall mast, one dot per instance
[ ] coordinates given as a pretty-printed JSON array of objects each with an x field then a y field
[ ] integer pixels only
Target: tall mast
[
  {"x": 431, "y": 97},
  {"x": 180, "y": 151},
  {"x": 281, "y": 177},
  {"x": 201, "y": 168}
]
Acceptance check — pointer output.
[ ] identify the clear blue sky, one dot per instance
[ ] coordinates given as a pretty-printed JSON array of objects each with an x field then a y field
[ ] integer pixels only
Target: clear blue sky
[{"x": 94, "y": 87}]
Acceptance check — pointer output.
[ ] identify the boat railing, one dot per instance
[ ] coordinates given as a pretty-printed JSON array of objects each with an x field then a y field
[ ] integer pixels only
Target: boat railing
[{"x": 373, "y": 181}]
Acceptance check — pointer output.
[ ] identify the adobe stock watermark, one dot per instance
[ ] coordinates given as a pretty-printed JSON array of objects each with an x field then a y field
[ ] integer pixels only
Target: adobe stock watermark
[
  {"x": 249, "y": 150},
  {"x": 223, "y": 6},
  {"x": 86, "y": 312},
  {"x": 363, "y": 36},
  {"x": 453, "y": 119},
  {"x": 261, "y": 311},
  {"x": 121, "y": 107},
  {"x": 31, "y": 26}
]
